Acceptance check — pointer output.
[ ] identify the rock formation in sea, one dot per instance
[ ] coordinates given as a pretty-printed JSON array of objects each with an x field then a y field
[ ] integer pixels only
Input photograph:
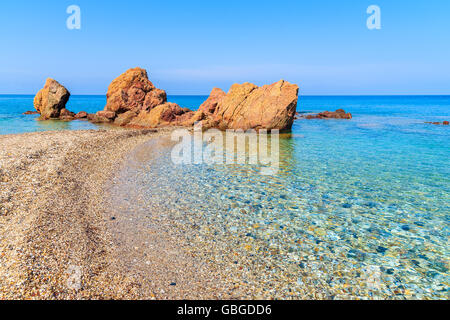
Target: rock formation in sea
[
  {"x": 338, "y": 114},
  {"x": 81, "y": 115},
  {"x": 95, "y": 118},
  {"x": 66, "y": 115},
  {"x": 30, "y": 112},
  {"x": 166, "y": 114},
  {"x": 247, "y": 106},
  {"x": 111, "y": 115},
  {"x": 133, "y": 100},
  {"x": 50, "y": 100},
  {"x": 444, "y": 123}
]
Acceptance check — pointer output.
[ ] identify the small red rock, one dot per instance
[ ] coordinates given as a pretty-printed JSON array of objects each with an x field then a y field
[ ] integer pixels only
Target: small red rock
[
  {"x": 107, "y": 114},
  {"x": 81, "y": 115},
  {"x": 66, "y": 113},
  {"x": 94, "y": 118},
  {"x": 338, "y": 114}
]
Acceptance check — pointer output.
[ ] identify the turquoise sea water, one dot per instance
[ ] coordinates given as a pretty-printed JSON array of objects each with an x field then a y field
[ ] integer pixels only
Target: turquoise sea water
[
  {"x": 359, "y": 208},
  {"x": 12, "y": 107}
]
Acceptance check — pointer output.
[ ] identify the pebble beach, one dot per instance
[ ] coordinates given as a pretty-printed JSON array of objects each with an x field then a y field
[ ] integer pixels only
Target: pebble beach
[{"x": 52, "y": 225}]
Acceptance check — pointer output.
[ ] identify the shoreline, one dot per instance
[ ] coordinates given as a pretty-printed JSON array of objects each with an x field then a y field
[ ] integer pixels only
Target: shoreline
[{"x": 51, "y": 213}]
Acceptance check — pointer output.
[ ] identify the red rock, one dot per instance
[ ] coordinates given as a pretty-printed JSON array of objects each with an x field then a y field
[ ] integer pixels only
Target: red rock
[
  {"x": 125, "y": 118},
  {"x": 30, "y": 112},
  {"x": 209, "y": 106},
  {"x": 167, "y": 114},
  {"x": 66, "y": 113},
  {"x": 50, "y": 100},
  {"x": 94, "y": 118},
  {"x": 445, "y": 123},
  {"x": 154, "y": 98},
  {"x": 81, "y": 115},
  {"x": 247, "y": 106},
  {"x": 133, "y": 95},
  {"x": 338, "y": 114},
  {"x": 205, "y": 110},
  {"x": 129, "y": 91},
  {"x": 107, "y": 114},
  {"x": 185, "y": 118}
]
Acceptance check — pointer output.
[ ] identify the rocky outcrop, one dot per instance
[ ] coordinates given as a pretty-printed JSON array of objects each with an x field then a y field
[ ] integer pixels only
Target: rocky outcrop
[
  {"x": 81, "y": 115},
  {"x": 133, "y": 90},
  {"x": 338, "y": 114},
  {"x": 133, "y": 100},
  {"x": 111, "y": 115},
  {"x": 210, "y": 105},
  {"x": 125, "y": 118},
  {"x": 66, "y": 115},
  {"x": 154, "y": 98},
  {"x": 247, "y": 106},
  {"x": 206, "y": 110},
  {"x": 167, "y": 114},
  {"x": 444, "y": 123},
  {"x": 94, "y": 118},
  {"x": 30, "y": 112},
  {"x": 50, "y": 100}
]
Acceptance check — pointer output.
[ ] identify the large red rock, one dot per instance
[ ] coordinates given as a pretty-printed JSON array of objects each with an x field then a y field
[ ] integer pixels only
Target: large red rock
[
  {"x": 133, "y": 90},
  {"x": 247, "y": 106},
  {"x": 134, "y": 101},
  {"x": 51, "y": 99}
]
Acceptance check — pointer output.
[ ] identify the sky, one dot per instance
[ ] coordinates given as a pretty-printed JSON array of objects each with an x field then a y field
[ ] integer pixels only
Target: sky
[{"x": 189, "y": 47}]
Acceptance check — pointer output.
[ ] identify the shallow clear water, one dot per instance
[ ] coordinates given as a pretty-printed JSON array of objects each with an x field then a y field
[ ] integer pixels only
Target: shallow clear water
[{"x": 359, "y": 208}]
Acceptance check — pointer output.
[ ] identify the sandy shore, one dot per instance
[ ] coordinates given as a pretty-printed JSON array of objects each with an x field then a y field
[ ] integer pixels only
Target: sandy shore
[{"x": 54, "y": 242}]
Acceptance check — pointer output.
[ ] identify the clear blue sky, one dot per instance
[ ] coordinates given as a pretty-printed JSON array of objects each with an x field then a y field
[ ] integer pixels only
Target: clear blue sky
[{"x": 188, "y": 47}]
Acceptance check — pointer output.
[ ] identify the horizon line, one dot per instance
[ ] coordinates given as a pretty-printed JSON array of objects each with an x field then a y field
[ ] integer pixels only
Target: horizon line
[{"x": 300, "y": 95}]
